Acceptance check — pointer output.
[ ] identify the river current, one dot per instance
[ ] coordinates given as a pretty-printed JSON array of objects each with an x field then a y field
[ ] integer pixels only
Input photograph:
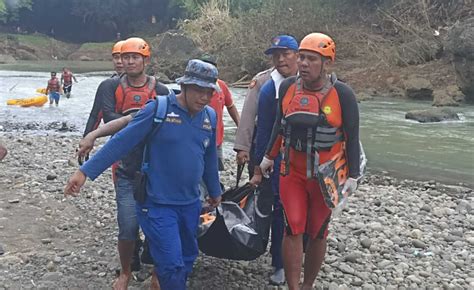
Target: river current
[{"x": 437, "y": 151}]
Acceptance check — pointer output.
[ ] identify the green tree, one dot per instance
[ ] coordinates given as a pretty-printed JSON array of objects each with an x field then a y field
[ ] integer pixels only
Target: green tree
[{"x": 9, "y": 10}]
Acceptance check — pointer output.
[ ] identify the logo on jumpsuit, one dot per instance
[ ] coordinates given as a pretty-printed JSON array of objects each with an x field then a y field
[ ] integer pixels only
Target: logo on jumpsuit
[
  {"x": 207, "y": 124},
  {"x": 137, "y": 98},
  {"x": 205, "y": 142},
  {"x": 304, "y": 101}
]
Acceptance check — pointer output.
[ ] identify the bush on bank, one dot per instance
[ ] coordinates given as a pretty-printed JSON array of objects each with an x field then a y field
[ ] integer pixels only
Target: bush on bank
[{"x": 400, "y": 32}]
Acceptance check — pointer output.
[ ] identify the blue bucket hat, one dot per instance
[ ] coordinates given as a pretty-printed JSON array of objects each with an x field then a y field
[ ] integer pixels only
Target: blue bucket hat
[
  {"x": 282, "y": 42},
  {"x": 199, "y": 73}
]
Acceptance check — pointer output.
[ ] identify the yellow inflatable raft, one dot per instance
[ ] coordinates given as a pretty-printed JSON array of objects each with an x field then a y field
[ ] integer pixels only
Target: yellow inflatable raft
[
  {"x": 41, "y": 91},
  {"x": 35, "y": 101}
]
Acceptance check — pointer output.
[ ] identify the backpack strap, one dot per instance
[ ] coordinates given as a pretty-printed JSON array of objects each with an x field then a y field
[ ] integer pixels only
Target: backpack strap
[
  {"x": 161, "y": 110},
  {"x": 212, "y": 117},
  {"x": 124, "y": 86}
]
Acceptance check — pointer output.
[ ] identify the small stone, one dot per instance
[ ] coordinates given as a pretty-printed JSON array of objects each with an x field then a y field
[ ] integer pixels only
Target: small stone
[
  {"x": 366, "y": 243},
  {"x": 424, "y": 274},
  {"x": 452, "y": 238},
  {"x": 52, "y": 276},
  {"x": 2, "y": 251},
  {"x": 16, "y": 200},
  {"x": 238, "y": 272},
  {"x": 368, "y": 287},
  {"x": 414, "y": 279},
  {"x": 50, "y": 266},
  {"x": 389, "y": 210},
  {"x": 426, "y": 208},
  {"x": 341, "y": 247},
  {"x": 352, "y": 257},
  {"x": 458, "y": 244},
  {"x": 51, "y": 177},
  {"x": 384, "y": 264},
  {"x": 376, "y": 226},
  {"x": 346, "y": 269},
  {"x": 470, "y": 240},
  {"x": 102, "y": 274},
  {"x": 64, "y": 253},
  {"x": 357, "y": 282},
  {"x": 46, "y": 241},
  {"x": 418, "y": 244},
  {"x": 416, "y": 234}
]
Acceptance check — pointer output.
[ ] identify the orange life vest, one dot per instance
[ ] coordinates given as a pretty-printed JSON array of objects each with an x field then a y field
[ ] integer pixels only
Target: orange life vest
[
  {"x": 312, "y": 123},
  {"x": 53, "y": 85},
  {"x": 67, "y": 77},
  {"x": 129, "y": 99}
]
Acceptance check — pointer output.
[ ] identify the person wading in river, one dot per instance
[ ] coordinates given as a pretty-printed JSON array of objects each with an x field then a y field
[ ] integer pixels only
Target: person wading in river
[
  {"x": 53, "y": 89},
  {"x": 66, "y": 81}
]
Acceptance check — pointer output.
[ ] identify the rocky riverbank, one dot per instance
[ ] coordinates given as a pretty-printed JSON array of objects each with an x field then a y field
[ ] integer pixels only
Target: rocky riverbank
[{"x": 394, "y": 233}]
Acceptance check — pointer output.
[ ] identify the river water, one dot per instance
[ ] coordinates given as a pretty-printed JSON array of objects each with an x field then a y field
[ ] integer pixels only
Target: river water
[{"x": 438, "y": 151}]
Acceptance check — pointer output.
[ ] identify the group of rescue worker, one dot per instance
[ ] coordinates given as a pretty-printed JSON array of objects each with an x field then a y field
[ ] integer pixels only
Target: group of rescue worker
[
  {"x": 55, "y": 86},
  {"x": 167, "y": 142}
]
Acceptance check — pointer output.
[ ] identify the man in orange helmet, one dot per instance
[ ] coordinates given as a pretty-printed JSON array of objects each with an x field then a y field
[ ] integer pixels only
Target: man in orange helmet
[
  {"x": 95, "y": 116},
  {"x": 121, "y": 96},
  {"x": 317, "y": 119}
]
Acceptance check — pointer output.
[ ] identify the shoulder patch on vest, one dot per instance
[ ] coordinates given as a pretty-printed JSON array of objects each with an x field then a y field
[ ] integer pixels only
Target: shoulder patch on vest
[{"x": 327, "y": 110}]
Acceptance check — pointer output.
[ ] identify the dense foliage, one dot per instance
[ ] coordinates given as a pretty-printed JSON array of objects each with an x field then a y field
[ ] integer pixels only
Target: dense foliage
[
  {"x": 101, "y": 20},
  {"x": 388, "y": 31},
  {"x": 93, "y": 20},
  {"x": 90, "y": 20}
]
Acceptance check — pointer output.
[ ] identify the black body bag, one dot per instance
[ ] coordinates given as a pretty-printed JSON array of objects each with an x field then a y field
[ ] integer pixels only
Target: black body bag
[{"x": 240, "y": 226}]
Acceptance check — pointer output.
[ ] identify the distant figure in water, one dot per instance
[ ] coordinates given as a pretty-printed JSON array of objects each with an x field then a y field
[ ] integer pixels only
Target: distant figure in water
[
  {"x": 53, "y": 88},
  {"x": 66, "y": 81},
  {"x": 3, "y": 152}
]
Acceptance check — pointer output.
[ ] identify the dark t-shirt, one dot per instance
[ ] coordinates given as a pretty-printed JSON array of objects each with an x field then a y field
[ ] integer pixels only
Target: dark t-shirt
[{"x": 104, "y": 103}]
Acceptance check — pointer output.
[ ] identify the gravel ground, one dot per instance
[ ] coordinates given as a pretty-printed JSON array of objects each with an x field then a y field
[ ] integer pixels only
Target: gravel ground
[{"x": 394, "y": 234}]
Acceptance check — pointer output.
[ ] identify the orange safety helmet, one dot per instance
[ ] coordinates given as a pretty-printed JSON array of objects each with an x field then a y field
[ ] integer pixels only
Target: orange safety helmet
[
  {"x": 117, "y": 47},
  {"x": 320, "y": 43},
  {"x": 136, "y": 45}
]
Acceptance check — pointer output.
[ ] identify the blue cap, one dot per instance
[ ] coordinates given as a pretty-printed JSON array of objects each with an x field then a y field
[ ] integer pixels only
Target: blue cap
[
  {"x": 199, "y": 73},
  {"x": 282, "y": 42}
]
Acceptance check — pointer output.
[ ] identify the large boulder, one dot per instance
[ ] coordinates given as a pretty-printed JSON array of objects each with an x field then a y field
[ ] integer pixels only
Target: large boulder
[
  {"x": 448, "y": 96},
  {"x": 92, "y": 52},
  {"x": 433, "y": 115},
  {"x": 460, "y": 43},
  {"x": 23, "y": 54},
  {"x": 5, "y": 58},
  {"x": 418, "y": 88}
]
